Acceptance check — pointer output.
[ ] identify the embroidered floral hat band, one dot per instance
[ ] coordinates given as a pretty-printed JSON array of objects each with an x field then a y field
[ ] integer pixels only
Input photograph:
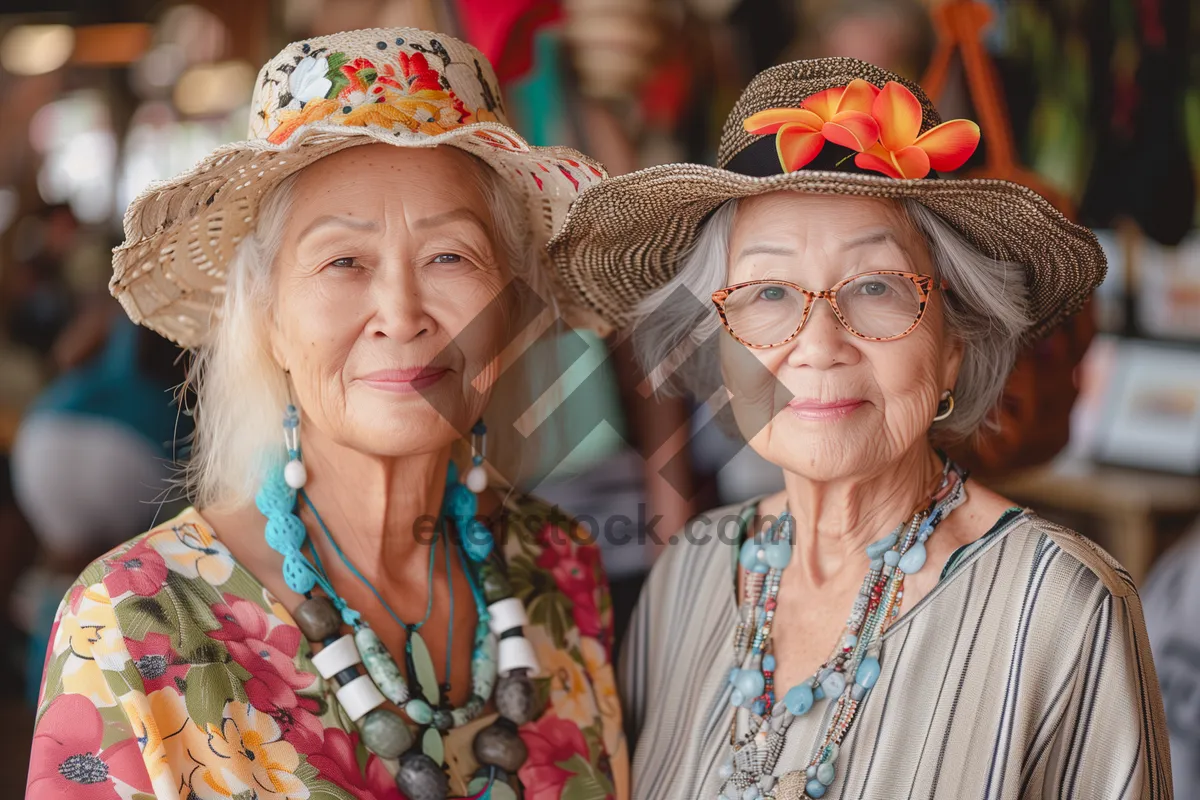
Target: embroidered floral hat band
[{"x": 402, "y": 86}]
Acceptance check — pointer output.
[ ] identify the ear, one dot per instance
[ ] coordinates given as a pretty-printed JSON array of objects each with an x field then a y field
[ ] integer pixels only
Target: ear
[{"x": 951, "y": 364}]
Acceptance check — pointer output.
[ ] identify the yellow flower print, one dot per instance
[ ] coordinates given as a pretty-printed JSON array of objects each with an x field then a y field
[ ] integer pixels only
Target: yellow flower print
[
  {"x": 290, "y": 121},
  {"x": 247, "y": 753},
  {"x": 89, "y": 632},
  {"x": 604, "y": 684},
  {"x": 150, "y": 717},
  {"x": 181, "y": 737},
  {"x": 192, "y": 551},
  {"x": 570, "y": 693}
]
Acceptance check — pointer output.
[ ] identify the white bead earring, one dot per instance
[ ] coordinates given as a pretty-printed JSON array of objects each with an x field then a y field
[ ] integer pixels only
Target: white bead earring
[
  {"x": 295, "y": 474},
  {"x": 477, "y": 477}
]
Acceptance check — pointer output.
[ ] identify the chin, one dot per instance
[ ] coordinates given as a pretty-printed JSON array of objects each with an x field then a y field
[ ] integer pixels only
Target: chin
[
  {"x": 823, "y": 451},
  {"x": 406, "y": 428}
]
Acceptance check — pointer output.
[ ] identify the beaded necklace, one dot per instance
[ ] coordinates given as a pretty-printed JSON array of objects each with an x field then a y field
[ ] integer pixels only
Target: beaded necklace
[
  {"x": 846, "y": 676},
  {"x": 500, "y": 649}
]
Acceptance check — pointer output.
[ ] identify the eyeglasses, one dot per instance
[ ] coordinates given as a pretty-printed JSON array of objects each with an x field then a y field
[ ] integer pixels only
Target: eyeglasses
[{"x": 876, "y": 306}]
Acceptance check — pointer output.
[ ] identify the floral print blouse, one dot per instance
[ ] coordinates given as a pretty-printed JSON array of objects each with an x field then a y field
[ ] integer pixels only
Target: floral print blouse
[{"x": 173, "y": 673}]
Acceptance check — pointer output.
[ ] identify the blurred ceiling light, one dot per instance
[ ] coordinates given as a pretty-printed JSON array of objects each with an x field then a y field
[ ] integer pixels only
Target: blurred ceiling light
[
  {"x": 107, "y": 45},
  {"x": 214, "y": 89},
  {"x": 36, "y": 49},
  {"x": 199, "y": 34}
]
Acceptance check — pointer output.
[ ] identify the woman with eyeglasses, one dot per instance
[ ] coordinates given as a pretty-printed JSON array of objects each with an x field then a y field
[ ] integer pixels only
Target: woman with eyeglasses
[{"x": 884, "y": 626}]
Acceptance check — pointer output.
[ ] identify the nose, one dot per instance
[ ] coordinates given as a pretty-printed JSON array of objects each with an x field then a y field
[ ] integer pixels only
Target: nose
[
  {"x": 400, "y": 311},
  {"x": 822, "y": 343}
]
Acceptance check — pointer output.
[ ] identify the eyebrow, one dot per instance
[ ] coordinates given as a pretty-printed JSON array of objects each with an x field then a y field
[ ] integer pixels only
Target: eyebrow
[
  {"x": 463, "y": 214},
  {"x": 435, "y": 221}
]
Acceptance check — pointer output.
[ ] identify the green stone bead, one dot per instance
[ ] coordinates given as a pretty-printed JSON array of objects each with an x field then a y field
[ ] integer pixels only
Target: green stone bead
[
  {"x": 484, "y": 667},
  {"x": 419, "y": 711},
  {"x": 317, "y": 619},
  {"x": 500, "y": 789},
  {"x": 433, "y": 746},
  {"x": 380, "y": 665},
  {"x": 385, "y": 734}
]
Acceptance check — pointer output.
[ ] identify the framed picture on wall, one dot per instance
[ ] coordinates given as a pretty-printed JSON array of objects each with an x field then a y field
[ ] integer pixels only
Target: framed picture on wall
[{"x": 1151, "y": 416}]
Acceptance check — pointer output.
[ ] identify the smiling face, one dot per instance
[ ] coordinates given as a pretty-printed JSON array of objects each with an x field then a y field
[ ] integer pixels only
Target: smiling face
[
  {"x": 829, "y": 404},
  {"x": 384, "y": 290}
]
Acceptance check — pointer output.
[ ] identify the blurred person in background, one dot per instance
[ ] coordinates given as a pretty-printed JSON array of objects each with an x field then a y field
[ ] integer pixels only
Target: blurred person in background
[
  {"x": 1172, "y": 596},
  {"x": 859, "y": 312},
  {"x": 95, "y": 453},
  {"x": 354, "y": 279}
]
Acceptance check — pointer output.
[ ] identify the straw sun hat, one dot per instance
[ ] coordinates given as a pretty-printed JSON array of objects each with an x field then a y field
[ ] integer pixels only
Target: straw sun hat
[
  {"x": 403, "y": 86},
  {"x": 832, "y": 126}
]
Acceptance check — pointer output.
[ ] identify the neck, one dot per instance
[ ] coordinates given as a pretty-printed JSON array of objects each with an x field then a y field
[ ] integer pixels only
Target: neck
[
  {"x": 379, "y": 509},
  {"x": 836, "y": 519}
]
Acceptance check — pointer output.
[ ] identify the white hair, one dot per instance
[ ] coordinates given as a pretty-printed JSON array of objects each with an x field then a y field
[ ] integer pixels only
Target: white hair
[
  {"x": 986, "y": 309},
  {"x": 242, "y": 392}
]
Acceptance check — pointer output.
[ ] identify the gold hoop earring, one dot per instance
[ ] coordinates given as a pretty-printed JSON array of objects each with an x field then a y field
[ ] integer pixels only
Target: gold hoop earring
[{"x": 945, "y": 407}]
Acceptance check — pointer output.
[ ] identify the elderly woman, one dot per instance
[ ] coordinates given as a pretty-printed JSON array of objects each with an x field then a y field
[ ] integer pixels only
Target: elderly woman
[
  {"x": 862, "y": 313},
  {"x": 340, "y": 616}
]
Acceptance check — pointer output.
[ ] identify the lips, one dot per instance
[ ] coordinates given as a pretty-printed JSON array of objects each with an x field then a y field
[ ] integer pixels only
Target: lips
[
  {"x": 408, "y": 379},
  {"x": 824, "y": 410}
]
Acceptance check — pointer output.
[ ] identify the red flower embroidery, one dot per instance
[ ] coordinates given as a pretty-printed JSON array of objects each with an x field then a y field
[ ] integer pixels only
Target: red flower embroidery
[
  {"x": 296, "y": 715},
  {"x": 68, "y": 762},
  {"x": 551, "y": 742},
  {"x": 418, "y": 75},
  {"x": 140, "y": 570},
  {"x": 338, "y": 763},
  {"x": 156, "y": 661},
  {"x": 575, "y": 569}
]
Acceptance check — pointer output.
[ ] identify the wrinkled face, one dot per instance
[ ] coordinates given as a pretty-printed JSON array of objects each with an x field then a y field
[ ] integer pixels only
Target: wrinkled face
[
  {"x": 828, "y": 404},
  {"x": 385, "y": 284}
]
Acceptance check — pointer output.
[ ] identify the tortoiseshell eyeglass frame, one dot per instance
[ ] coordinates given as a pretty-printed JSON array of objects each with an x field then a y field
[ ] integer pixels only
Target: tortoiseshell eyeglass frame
[{"x": 925, "y": 284}]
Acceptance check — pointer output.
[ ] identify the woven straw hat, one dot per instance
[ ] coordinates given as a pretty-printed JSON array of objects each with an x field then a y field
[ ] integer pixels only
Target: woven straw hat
[
  {"x": 626, "y": 237},
  {"x": 403, "y": 86}
]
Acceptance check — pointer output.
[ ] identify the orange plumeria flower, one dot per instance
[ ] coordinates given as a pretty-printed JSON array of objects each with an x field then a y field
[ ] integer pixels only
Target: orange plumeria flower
[
  {"x": 900, "y": 152},
  {"x": 841, "y": 115}
]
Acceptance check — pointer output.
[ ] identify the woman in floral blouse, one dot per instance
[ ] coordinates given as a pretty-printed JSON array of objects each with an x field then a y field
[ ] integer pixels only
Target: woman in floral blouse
[{"x": 352, "y": 280}]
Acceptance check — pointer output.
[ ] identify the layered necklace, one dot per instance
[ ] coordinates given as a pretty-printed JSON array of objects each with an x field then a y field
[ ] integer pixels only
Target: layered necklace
[
  {"x": 502, "y": 661},
  {"x": 845, "y": 678}
]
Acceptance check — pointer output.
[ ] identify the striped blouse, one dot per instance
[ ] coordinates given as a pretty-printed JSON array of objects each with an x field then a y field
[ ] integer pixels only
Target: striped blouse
[{"x": 1025, "y": 673}]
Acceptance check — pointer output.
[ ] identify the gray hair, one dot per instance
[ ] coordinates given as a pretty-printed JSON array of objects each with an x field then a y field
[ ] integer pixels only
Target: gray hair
[
  {"x": 986, "y": 310},
  {"x": 241, "y": 392}
]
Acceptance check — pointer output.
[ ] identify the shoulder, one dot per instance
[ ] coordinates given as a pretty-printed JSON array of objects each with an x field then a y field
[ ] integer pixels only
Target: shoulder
[
  {"x": 555, "y": 568},
  {"x": 701, "y": 553},
  {"x": 1039, "y": 570},
  {"x": 184, "y": 545}
]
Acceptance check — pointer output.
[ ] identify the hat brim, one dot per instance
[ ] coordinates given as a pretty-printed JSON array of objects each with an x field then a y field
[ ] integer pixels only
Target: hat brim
[
  {"x": 626, "y": 238},
  {"x": 181, "y": 234}
]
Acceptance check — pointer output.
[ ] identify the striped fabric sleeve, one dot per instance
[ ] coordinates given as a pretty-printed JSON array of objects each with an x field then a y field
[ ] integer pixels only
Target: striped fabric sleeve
[{"x": 1112, "y": 740}]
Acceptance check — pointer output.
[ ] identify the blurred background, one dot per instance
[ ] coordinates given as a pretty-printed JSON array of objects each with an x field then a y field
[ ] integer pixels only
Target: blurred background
[{"x": 1096, "y": 105}]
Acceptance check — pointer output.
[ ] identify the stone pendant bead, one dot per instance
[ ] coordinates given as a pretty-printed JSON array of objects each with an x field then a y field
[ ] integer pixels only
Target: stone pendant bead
[
  {"x": 877, "y": 549},
  {"x": 834, "y": 684},
  {"x": 418, "y": 778},
  {"x": 815, "y": 789},
  {"x": 499, "y": 745},
  {"x": 826, "y": 773},
  {"x": 443, "y": 720},
  {"x": 484, "y": 664},
  {"x": 385, "y": 734},
  {"x": 381, "y": 666},
  {"x": 419, "y": 711},
  {"x": 913, "y": 560},
  {"x": 790, "y": 786},
  {"x": 516, "y": 698},
  {"x": 317, "y": 619},
  {"x": 433, "y": 746}
]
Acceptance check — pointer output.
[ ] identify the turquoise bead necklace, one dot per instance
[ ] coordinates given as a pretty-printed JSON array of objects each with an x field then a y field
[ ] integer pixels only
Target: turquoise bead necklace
[{"x": 847, "y": 675}]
